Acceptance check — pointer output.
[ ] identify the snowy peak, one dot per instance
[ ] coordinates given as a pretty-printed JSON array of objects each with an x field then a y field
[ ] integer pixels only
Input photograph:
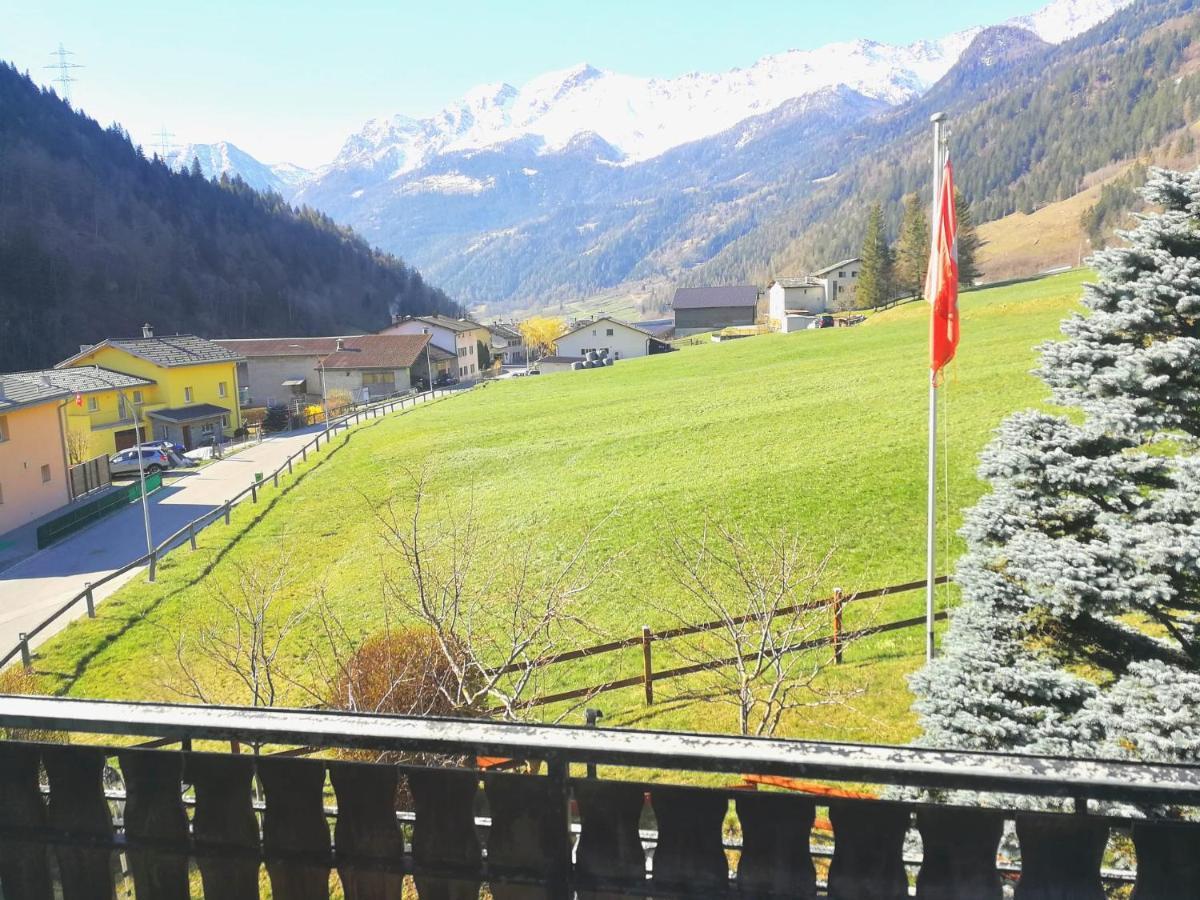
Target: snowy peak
[
  {"x": 1064, "y": 19},
  {"x": 224, "y": 158}
]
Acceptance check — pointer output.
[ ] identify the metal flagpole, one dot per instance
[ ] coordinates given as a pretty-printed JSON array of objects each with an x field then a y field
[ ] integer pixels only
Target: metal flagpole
[{"x": 931, "y": 492}]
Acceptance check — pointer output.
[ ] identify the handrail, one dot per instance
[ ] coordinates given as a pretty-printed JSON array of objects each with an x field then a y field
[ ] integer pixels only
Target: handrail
[
  {"x": 1043, "y": 776},
  {"x": 190, "y": 528}
]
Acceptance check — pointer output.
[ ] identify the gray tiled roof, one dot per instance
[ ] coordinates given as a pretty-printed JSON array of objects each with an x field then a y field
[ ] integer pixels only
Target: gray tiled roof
[
  {"x": 449, "y": 323},
  {"x": 797, "y": 281},
  {"x": 169, "y": 351},
  {"x": 837, "y": 265},
  {"x": 19, "y": 389},
  {"x": 190, "y": 413},
  {"x": 708, "y": 297}
]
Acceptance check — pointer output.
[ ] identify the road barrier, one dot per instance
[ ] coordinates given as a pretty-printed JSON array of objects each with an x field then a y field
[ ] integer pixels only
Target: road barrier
[
  {"x": 87, "y": 513},
  {"x": 189, "y": 531}
]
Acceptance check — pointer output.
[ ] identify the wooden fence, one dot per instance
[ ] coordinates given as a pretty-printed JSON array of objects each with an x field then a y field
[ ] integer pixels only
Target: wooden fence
[
  {"x": 89, "y": 476},
  {"x": 189, "y": 531},
  {"x": 837, "y": 640}
]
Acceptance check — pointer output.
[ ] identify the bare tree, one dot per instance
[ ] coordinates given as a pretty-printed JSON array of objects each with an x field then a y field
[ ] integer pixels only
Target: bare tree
[
  {"x": 769, "y": 640},
  {"x": 236, "y": 639},
  {"x": 79, "y": 445},
  {"x": 490, "y": 609}
]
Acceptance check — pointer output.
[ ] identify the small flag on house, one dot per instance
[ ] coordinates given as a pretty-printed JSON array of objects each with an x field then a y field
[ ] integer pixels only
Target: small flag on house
[
  {"x": 79, "y": 399},
  {"x": 941, "y": 281}
]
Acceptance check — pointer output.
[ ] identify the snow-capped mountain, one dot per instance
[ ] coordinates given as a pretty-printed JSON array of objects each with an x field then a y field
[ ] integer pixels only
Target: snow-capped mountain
[
  {"x": 225, "y": 158},
  {"x": 644, "y": 117}
]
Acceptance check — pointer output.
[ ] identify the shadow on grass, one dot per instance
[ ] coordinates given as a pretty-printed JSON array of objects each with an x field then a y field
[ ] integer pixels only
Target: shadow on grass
[{"x": 135, "y": 616}]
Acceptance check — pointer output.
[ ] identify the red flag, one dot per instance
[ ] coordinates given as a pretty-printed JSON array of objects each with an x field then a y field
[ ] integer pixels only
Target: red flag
[
  {"x": 941, "y": 281},
  {"x": 79, "y": 399}
]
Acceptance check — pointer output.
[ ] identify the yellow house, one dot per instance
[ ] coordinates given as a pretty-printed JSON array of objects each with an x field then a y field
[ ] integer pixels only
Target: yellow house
[{"x": 191, "y": 391}]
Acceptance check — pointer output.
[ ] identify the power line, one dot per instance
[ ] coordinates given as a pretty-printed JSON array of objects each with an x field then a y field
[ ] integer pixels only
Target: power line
[
  {"x": 64, "y": 66},
  {"x": 164, "y": 143}
]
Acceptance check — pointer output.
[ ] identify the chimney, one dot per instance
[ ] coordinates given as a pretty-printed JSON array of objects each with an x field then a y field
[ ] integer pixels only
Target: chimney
[
  {"x": 84, "y": 348},
  {"x": 147, "y": 331},
  {"x": 339, "y": 346}
]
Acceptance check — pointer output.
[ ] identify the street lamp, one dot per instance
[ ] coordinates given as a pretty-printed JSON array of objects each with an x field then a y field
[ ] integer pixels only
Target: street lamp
[
  {"x": 324, "y": 395},
  {"x": 137, "y": 443}
]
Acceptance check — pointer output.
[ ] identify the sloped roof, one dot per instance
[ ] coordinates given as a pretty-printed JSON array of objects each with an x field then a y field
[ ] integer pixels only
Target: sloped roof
[
  {"x": 191, "y": 413},
  {"x": 710, "y": 297},
  {"x": 588, "y": 324},
  {"x": 787, "y": 281},
  {"x": 448, "y": 323},
  {"x": 836, "y": 265},
  {"x": 18, "y": 389},
  {"x": 168, "y": 352},
  {"x": 259, "y": 347},
  {"x": 377, "y": 351},
  {"x": 507, "y": 330}
]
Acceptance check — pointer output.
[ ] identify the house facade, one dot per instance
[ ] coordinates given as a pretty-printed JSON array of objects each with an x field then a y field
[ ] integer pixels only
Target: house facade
[
  {"x": 195, "y": 392},
  {"x": 621, "y": 340},
  {"x": 508, "y": 345},
  {"x": 33, "y": 459},
  {"x": 274, "y": 371},
  {"x": 373, "y": 366},
  {"x": 700, "y": 309},
  {"x": 793, "y": 302},
  {"x": 460, "y": 337}
]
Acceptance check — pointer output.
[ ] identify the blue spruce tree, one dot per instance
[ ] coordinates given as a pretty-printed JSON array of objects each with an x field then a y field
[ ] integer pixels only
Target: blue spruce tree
[{"x": 1081, "y": 583}]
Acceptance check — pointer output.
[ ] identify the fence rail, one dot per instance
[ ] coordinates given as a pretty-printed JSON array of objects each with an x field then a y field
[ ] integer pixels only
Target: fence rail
[
  {"x": 836, "y": 640},
  {"x": 192, "y": 528}
]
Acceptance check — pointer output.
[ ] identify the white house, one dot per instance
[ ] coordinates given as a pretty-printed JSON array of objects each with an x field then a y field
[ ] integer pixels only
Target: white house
[
  {"x": 621, "y": 340},
  {"x": 458, "y": 336},
  {"x": 793, "y": 302}
]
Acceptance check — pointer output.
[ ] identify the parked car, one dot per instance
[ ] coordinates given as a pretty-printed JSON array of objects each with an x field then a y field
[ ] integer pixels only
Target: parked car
[
  {"x": 169, "y": 446},
  {"x": 126, "y": 462}
]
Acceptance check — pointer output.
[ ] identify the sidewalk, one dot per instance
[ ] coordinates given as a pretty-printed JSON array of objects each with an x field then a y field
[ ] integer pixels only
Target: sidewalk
[{"x": 21, "y": 543}]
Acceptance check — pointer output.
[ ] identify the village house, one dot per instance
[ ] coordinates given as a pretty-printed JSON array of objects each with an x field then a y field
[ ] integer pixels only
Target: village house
[
  {"x": 620, "y": 339},
  {"x": 273, "y": 371},
  {"x": 508, "y": 345},
  {"x": 50, "y": 420},
  {"x": 461, "y": 337},
  {"x": 374, "y": 366},
  {"x": 192, "y": 392},
  {"x": 700, "y": 309},
  {"x": 794, "y": 302}
]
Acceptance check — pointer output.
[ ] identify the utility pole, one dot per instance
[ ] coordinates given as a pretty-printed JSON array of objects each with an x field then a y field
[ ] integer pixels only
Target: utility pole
[
  {"x": 164, "y": 143},
  {"x": 64, "y": 66},
  {"x": 324, "y": 397}
]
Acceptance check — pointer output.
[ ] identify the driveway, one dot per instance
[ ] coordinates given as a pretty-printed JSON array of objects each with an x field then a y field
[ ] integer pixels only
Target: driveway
[{"x": 34, "y": 587}]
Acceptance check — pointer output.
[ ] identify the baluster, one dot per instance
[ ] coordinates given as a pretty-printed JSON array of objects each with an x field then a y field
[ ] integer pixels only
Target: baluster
[
  {"x": 78, "y": 807},
  {"x": 367, "y": 838},
  {"x": 444, "y": 840},
  {"x": 959, "y": 853},
  {"x": 868, "y": 850},
  {"x": 1060, "y": 857},
  {"x": 295, "y": 832},
  {"x": 690, "y": 856},
  {"x": 610, "y": 852},
  {"x": 1168, "y": 860},
  {"x": 776, "y": 831},
  {"x": 24, "y": 865},
  {"x": 529, "y": 816},
  {"x": 154, "y": 813},
  {"x": 224, "y": 824}
]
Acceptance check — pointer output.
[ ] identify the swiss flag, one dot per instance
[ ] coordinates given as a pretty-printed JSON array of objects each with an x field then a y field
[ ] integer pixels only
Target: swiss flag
[
  {"x": 941, "y": 281},
  {"x": 79, "y": 399}
]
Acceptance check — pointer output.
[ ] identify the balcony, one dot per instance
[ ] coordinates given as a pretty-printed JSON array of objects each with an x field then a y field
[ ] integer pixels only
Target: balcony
[{"x": 151, "y": 796}]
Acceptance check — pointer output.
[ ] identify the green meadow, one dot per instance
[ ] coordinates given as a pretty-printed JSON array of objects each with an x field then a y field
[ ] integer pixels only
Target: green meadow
[{"x": 820, "y": 434}]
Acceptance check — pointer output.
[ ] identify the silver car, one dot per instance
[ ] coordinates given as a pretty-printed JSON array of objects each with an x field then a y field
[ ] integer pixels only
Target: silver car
[{"x": 126, "y": 462}]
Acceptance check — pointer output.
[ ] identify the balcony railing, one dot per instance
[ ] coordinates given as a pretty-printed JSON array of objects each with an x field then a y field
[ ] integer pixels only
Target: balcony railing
[{"x": 607, "y": 813}]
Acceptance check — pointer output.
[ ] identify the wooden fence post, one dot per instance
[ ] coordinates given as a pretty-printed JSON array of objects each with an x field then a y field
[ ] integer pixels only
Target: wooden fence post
[
  {"x": 647, "y": 665},
  {"x": 304, "y": 453},
  {"x": 275, "y": 478},
  {"x": 153, "y": 564},
  {"x": 254, "y": 491},
  {"x": 89, "y": 599},
  {"x": 837, "y": 626},
  {"x": 26, "y": 657},
  {"x": 227, "y": 511},
  {"x": 192, "y": 533}
]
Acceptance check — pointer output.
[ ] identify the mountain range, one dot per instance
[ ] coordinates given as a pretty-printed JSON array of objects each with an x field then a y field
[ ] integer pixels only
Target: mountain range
[{"x": 583, "y": 180}]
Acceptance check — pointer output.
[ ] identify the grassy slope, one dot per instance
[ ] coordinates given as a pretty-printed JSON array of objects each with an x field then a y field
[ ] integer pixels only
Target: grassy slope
[{"x": 821, "y": 431}]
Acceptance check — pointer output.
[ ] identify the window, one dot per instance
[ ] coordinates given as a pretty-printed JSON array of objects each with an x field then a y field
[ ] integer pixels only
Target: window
[
  {"x": 93, "y": 404},
  {"x": 379, "y": 378},
  {"x": 3, "y": 429},
  {"x": 137, "y": 398},
  {"x": 854, "y": 273},
  {"x": 841, "y": 274},
  {"x": 45, "y": 474},
  {"x": 121, "y": 412},
  {"x": 608, "y": 332},
  {"x": 206, "y": 428},
  {"x": 224, "y": 421},
  {"x": 222, "y": 390},
  {"x": 187, "y": 395},
  {"x": 472, "y": 368}
]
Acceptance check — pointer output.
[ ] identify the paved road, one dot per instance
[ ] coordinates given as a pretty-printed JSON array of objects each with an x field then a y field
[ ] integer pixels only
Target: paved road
[{"x": 31, "y": 589}]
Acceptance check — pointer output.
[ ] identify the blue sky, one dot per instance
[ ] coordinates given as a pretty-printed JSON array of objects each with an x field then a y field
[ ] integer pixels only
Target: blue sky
[{"x": 290, "y": 81}]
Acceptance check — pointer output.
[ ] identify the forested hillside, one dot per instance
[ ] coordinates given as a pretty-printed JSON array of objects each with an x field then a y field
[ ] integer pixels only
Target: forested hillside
[
  {"x": 1122, "y": 89},
  {"x": 96, "y": 239}
]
